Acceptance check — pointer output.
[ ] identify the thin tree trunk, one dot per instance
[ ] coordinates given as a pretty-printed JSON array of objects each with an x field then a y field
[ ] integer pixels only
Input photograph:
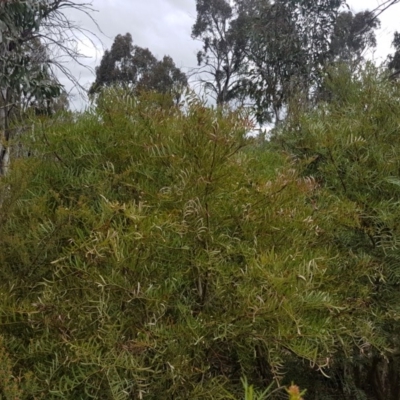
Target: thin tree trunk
[{"x": 4, "y": 132}]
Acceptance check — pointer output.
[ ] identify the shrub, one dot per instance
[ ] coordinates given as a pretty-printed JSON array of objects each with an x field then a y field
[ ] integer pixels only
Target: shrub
[
  {"x": 145, "y": 254},
  {"x": 351, "y": 147}
]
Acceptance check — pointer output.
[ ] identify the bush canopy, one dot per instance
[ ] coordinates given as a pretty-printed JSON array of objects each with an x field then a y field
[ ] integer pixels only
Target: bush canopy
[{"x": 153, "y": 251}]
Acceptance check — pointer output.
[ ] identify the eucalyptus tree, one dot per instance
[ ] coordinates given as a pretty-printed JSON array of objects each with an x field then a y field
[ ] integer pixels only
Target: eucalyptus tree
[
  {"x": 394, "y": 59},
  {"x": 257, "y": 49},
  {"x": 29, "y": 30},
  {"x": 137, "y": 69},
  {"x": 221, "y": 27},
  {"x": 352, "y": 35},
  {"x": 266, "y": 51},
  {"x": 289, "y": 44}
]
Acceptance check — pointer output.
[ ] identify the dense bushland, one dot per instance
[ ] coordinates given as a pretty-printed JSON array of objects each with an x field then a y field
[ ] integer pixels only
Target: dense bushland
[
  {"x": 351, "y": 146},
  {"x": 154, "y": 251}
]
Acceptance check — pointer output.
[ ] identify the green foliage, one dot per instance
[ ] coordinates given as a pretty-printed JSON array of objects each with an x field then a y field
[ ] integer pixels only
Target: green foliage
[
  {"x": 251, "y": 394},
  {"x": 152, "y": 251},
  {"x": 20, "y": 71},
  {"x": 350, "y": 146},
  {"x": 269, "y": 51},
  {"x": 136, "y": 68},
  {"x": 352, "y": 35},
  {"x": 292, "y": 42},
  {"x": 221, "y": 28},
  {"x": 394, "y": 59}
]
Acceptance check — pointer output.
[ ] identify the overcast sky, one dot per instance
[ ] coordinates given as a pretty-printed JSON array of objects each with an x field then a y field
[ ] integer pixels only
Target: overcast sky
[{"x": 164, "y": 27}]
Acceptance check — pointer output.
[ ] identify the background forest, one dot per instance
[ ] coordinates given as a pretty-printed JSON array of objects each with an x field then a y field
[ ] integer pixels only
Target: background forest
[{"x": 154, "y": 246}]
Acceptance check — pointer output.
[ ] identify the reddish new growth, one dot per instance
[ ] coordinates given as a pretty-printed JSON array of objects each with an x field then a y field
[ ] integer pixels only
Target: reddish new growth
[{"x": 294, "y": 393}]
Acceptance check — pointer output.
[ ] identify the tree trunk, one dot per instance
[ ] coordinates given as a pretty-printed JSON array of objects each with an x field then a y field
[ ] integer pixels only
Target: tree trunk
[{"x": 4, "y": 132}]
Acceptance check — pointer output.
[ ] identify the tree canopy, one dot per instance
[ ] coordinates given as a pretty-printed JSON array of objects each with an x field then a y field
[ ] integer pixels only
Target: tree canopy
[
  {"x": 352, "y": 35},
  {"x": 394, "y": 59},
  {"x": 222, "y": 59},
  {"x": 266, "y": 52},
  {"x": 136, "y": 68}
]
